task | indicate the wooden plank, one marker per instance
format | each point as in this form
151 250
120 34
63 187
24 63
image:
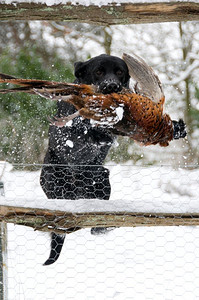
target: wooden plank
127 13
3 262
60 221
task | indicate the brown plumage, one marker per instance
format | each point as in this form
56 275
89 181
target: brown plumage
137 114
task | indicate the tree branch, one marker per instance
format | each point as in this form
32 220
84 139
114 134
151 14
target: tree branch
127 13
184 75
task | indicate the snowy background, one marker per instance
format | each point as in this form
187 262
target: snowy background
127 263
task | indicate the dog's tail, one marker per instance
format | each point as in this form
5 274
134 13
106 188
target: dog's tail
57 242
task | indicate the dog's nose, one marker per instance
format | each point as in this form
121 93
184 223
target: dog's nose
108 87
112 87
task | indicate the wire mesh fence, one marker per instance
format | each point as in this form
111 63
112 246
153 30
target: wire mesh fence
156 262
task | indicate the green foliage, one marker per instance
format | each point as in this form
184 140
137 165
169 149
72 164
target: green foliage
24 118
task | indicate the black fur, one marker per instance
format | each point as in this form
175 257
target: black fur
73 170
179 129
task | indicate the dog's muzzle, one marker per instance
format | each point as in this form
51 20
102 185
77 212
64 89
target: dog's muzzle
110 86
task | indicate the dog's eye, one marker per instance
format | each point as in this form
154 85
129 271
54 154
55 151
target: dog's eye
119 72
99 72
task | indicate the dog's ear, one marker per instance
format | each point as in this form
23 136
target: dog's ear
80 69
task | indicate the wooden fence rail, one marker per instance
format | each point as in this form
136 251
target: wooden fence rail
60 221
127 13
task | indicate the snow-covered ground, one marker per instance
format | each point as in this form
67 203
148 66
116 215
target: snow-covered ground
127 263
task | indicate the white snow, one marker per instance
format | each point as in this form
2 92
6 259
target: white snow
119 112
135 189
128 263
69 143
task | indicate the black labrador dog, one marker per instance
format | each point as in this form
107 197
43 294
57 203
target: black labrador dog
73 165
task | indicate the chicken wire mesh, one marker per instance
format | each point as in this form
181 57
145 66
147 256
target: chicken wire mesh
157 262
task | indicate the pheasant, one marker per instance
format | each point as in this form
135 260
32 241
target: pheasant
138 114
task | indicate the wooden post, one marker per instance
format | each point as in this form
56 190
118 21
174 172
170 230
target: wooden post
3 262
3 247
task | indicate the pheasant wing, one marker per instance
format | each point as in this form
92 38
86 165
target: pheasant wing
148 83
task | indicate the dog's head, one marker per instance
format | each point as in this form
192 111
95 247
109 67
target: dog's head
109 73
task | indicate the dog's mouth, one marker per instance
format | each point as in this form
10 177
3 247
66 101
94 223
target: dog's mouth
109 86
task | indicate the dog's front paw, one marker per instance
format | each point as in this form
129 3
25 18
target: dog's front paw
179 129
101 230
